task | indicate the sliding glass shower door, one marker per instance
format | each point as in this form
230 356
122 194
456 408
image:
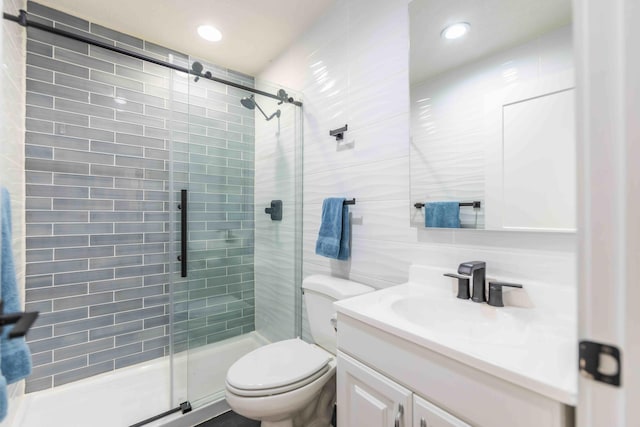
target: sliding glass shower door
219 305
117 133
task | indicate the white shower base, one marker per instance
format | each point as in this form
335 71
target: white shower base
129 395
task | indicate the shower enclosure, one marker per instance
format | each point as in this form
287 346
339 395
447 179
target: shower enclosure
241 266
148 247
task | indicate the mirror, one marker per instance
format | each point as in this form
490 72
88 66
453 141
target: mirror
492 115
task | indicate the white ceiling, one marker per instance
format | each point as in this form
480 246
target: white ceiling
254 32
495 25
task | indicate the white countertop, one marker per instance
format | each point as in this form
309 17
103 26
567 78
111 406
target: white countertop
533 347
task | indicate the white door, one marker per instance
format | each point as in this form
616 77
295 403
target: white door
607 40
369 399
426 414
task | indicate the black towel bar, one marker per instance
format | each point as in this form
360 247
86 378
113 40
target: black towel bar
476 204
349 202
22 320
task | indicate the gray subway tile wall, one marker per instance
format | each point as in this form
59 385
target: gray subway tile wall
98 211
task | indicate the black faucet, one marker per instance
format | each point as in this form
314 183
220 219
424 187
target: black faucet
477 271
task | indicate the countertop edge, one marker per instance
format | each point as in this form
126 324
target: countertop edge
548 390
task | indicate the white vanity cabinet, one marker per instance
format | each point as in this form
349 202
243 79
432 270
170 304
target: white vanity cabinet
368 399
379 372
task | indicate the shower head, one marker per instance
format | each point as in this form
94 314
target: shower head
250 103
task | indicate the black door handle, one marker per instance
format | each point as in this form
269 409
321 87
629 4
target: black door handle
183 233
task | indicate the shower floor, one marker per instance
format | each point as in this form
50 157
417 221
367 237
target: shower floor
127 396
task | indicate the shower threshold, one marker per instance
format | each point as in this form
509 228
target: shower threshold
184 407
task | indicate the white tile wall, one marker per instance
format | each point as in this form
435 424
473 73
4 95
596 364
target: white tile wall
352 67
12 94
13 101
275 168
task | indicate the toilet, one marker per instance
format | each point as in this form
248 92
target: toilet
291 383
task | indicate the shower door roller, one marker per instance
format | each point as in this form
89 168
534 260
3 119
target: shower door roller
275 210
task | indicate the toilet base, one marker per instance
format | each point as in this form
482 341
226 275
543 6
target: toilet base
317 413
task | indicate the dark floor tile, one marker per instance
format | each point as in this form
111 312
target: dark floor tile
230 419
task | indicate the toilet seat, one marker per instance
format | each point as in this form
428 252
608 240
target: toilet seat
277 368
277 390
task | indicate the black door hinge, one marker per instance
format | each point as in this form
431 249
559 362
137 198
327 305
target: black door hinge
600 362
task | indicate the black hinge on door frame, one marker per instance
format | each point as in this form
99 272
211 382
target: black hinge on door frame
589 362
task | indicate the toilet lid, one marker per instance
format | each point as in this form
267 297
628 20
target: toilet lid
276 365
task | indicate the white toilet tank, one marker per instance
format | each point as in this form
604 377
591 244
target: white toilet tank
320 292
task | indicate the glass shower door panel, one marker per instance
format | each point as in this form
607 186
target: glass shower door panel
277 177
217 320
217 301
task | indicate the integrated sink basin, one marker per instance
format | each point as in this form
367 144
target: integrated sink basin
455 319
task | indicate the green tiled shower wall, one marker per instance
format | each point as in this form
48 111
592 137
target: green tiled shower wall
104 132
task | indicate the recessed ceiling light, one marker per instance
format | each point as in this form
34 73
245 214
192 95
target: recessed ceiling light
455 31
210 33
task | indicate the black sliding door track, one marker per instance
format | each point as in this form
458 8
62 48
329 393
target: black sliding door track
184 407
23 20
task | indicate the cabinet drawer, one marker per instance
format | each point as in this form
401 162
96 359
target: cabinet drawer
426 414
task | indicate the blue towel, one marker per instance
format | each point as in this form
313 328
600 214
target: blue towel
15 357
333 237
442 214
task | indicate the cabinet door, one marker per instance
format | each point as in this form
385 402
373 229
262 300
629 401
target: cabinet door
368 399
427 414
